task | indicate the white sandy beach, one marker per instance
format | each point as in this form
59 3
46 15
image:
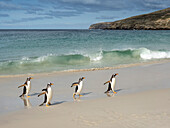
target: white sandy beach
142 100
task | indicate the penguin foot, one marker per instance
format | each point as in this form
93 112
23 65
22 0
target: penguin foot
80 95
28 96
114 92
47 105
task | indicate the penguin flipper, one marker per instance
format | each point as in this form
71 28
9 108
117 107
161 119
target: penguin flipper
45 100
109 88
44 89
76 89
24 90
74 84
41 93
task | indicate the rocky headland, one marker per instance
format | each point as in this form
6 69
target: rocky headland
159 20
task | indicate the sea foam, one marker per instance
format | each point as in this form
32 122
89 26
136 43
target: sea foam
149 54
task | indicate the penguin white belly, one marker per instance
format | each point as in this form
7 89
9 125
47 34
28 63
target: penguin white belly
80 86
113 84
49 95
28 87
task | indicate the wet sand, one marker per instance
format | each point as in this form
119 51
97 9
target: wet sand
142 99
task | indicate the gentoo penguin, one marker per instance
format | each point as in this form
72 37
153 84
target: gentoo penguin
112 82
48 94
79 86
27 87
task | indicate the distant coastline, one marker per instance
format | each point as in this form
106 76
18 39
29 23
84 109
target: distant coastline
159 20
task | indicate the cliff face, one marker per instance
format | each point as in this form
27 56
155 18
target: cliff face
159 20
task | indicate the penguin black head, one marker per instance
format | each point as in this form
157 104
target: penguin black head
29 78
80 79
49 84
115 74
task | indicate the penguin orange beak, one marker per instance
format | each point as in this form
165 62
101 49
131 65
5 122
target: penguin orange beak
31 78
117 74
52 84
83 77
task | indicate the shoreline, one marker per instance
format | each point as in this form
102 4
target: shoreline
134 79
90 69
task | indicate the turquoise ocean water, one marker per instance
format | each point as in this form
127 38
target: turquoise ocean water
38 51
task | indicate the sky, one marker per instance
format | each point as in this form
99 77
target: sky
71 14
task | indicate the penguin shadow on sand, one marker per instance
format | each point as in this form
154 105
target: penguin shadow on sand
112 94
26 102
34 94
87 93
57 103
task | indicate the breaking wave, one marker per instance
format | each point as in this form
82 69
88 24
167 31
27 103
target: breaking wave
102 58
